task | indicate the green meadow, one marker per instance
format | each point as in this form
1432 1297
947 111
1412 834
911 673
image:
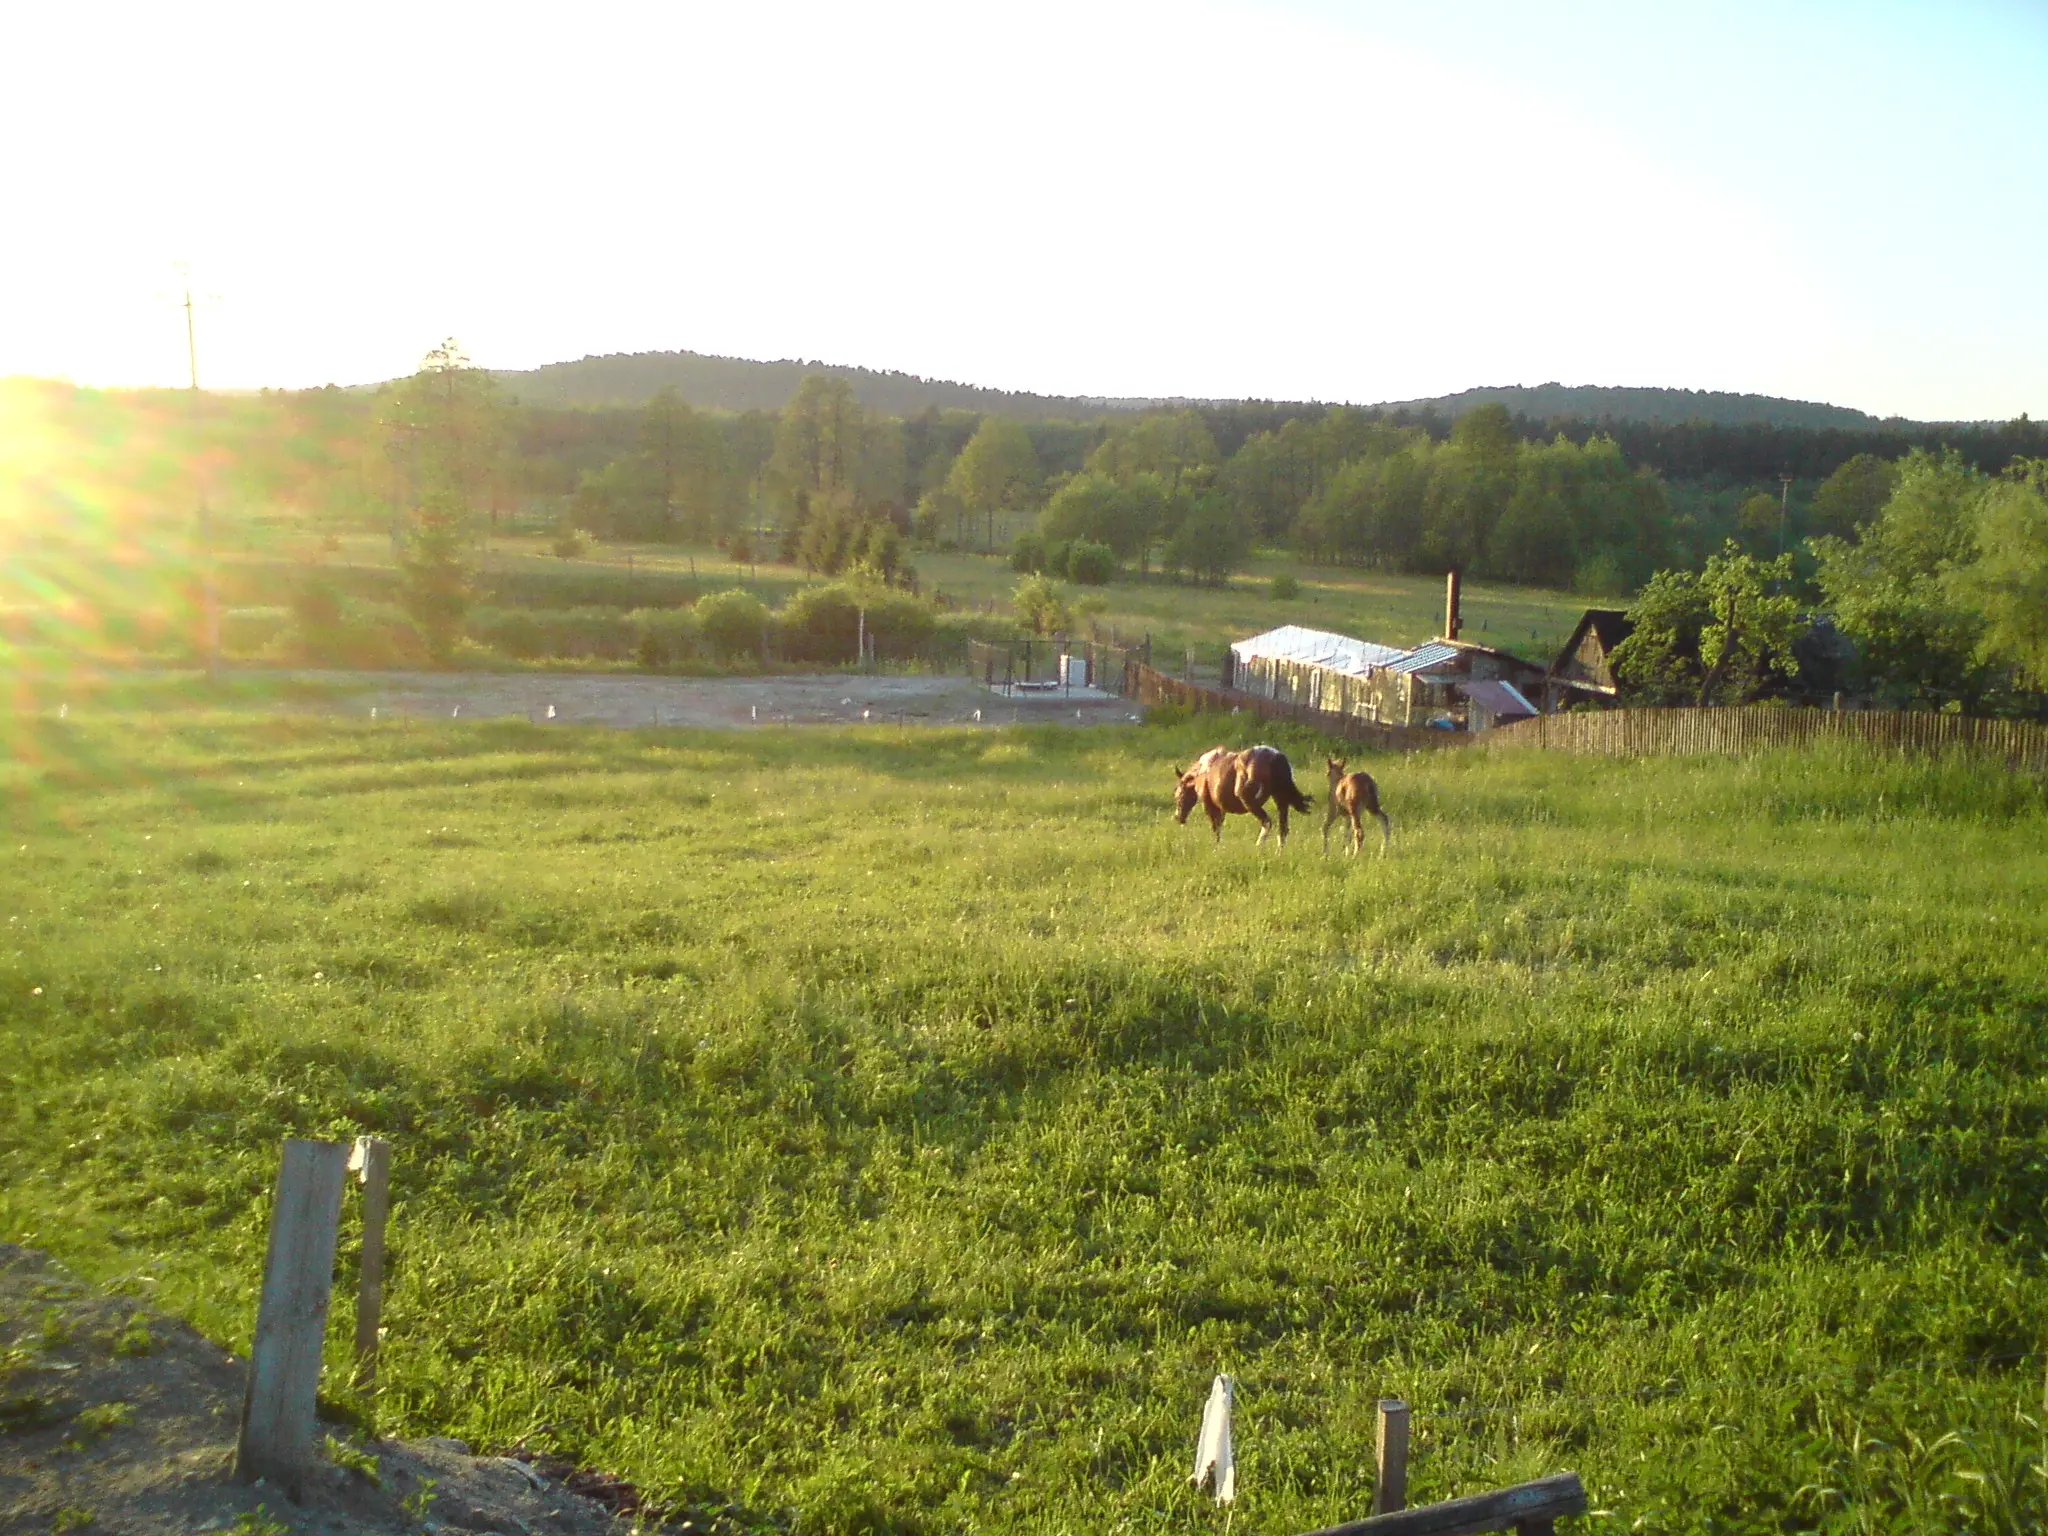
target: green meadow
892 1131
1389 607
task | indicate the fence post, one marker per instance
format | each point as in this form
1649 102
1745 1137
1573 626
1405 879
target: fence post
1390 1483
375 1171
276 1440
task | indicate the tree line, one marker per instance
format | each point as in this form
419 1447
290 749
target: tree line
827 483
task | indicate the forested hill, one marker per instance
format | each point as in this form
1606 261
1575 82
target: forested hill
631 379
740 384
1594 403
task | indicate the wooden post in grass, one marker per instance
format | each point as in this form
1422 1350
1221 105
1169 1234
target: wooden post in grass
276 1441
372 1162
1390 1480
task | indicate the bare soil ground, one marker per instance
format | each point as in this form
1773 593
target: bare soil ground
115 1419
630 701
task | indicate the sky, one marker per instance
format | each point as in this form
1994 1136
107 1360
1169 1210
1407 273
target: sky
1321 200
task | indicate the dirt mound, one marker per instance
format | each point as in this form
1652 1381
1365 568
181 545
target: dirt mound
116 1419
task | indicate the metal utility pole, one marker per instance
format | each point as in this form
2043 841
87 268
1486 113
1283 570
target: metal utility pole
1784 507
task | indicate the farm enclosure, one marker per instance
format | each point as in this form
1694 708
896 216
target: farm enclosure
1677 1121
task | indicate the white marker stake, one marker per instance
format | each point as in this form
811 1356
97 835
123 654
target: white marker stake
551 711
1214 1462
455 713
754 711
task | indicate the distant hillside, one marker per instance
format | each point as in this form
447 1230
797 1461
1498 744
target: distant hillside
739 384
1592 402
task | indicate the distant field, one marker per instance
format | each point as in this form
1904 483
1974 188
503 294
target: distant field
1393 609
891 1130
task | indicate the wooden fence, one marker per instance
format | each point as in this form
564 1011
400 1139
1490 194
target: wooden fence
1757 728
1149 686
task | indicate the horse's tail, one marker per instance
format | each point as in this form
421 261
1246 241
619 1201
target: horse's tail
1287 792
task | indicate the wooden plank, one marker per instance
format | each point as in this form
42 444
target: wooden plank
277 1432
376 1177
1548 1498
1390 1480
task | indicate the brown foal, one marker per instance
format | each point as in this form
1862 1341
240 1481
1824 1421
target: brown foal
1354 795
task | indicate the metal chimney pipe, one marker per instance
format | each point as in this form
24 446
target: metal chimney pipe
1451 606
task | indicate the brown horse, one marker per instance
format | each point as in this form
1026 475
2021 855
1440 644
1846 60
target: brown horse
1239 784
1353 795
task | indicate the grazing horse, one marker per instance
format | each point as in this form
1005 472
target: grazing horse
1239 783
1353 795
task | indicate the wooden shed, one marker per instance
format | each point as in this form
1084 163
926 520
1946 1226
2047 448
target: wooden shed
1584 670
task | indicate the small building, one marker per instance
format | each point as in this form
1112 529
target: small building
1489 703
1584 670
1446 671
1429 685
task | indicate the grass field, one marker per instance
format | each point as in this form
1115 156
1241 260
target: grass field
1394 609
891 1131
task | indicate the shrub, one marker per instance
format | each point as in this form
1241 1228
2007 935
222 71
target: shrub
733 623
1090 564
820 623
664 637
1027 555
1283 588
246 631
902 625
1039 605
568 544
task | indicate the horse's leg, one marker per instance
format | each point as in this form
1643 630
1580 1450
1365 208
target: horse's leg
1386 831
1357 836
1329 820
1265 821
1215 822
1283 823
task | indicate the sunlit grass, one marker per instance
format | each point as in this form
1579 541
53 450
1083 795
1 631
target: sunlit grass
896 1128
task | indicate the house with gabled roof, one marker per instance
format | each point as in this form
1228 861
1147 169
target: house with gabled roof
1583 672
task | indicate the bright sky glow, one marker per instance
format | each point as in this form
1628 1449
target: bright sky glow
1341 201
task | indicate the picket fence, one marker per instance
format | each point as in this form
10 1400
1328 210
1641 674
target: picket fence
1758 728
1637 732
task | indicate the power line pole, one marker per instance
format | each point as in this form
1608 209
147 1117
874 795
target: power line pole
1784 508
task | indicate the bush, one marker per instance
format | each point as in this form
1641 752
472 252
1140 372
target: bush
568 544
1283 588
1039 605
902 625
1089 564
664 637
246 631
820 623
367 635
823 623
1027 555
733 623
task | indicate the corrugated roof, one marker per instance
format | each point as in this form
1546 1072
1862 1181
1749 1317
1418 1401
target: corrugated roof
1318 648
1501 700
1423 657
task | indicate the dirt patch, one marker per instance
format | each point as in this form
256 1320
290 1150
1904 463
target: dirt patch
630 701
117 1419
